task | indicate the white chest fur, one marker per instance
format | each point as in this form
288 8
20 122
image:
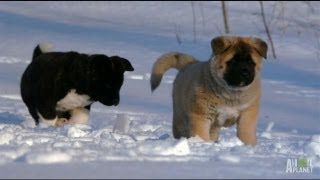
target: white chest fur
226 112
73 100
230 112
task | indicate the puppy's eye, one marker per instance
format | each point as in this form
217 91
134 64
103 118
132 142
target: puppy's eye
251 62
231 61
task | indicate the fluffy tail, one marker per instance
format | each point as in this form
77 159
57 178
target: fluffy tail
166 61
41 48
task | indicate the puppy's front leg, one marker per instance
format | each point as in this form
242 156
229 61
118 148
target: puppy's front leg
47 114
247 123
200 125
214 132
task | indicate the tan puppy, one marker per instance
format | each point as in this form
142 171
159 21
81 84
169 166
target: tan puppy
217 93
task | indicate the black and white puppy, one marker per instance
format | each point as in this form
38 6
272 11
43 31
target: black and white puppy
59 87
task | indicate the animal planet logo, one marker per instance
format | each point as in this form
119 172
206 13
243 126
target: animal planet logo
300 165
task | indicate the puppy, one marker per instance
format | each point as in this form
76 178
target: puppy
59 87
218 93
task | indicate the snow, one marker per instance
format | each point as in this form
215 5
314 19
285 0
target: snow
48 158
134 139
267 132
122 124
313 147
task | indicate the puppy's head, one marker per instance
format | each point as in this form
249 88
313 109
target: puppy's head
237 60
107 78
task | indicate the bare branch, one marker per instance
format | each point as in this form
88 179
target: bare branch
194 22
267 29
225 17
177 33
202 14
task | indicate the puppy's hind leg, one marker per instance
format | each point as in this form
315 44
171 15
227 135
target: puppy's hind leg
179 126
33 112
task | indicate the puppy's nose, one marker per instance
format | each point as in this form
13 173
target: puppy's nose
115 102
245 72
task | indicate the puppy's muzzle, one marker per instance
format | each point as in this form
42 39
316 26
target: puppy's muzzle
245 73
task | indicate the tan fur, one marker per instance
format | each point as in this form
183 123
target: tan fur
201 98
166 61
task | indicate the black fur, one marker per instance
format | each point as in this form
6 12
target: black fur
50 76
240 70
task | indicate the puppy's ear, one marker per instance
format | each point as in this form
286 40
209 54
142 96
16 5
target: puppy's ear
127 65
260 46
124 63
220 44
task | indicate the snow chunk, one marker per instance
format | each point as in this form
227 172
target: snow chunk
267 133
147 76
48 158
149 127
179 149
6 137
232 142
122 124
121 137
313 148
78 130
28 123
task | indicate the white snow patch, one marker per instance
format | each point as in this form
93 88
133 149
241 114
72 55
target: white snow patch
78 130
122 124
177 148
267 132
230 158
48 158
148 127
232 142
313 148
29 123
6 137
11 96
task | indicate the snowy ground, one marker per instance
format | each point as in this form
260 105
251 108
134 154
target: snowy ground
289 121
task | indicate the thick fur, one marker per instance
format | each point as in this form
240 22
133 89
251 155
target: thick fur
70 77
220 92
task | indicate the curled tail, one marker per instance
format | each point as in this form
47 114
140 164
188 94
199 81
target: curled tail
166 61
41 48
